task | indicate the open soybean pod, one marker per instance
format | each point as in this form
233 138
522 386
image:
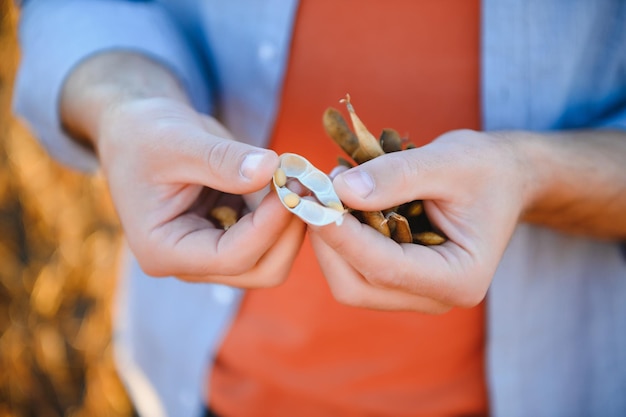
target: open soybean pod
369 148
326 208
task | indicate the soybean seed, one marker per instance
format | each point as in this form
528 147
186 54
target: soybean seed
226 216
291 200
336 205
280 178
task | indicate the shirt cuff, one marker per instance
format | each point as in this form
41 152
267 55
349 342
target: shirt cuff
55 36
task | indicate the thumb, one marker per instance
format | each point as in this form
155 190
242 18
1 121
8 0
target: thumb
220 163
395 178
165 142
255 165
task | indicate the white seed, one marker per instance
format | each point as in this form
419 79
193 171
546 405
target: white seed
336 205
280 178
291 200
226 216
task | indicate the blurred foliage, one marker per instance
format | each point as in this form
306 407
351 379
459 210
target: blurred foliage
59 246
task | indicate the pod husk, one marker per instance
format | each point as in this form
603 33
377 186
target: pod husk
405 223
428 238
390 140
400 229
369 148
337 128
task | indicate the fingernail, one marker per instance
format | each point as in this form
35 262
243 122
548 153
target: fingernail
337 170
360 182
250 164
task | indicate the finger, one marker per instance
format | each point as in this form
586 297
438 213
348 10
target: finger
272 268
447 273
191 148
190 245
349 287
429 172
337 170
223 164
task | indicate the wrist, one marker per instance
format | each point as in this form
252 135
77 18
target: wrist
533 168
109 80
574 181
522 153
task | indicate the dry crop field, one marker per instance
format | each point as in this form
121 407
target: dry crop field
59 244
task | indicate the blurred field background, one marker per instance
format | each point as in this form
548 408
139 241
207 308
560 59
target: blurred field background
59 244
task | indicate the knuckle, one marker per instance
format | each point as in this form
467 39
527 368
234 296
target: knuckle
468 297
144 253
385 278
221 155
405 169
400 275
223 264
152 266
270 280
347 295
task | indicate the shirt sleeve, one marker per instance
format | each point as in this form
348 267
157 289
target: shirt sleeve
57 35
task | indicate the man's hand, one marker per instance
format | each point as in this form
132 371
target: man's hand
476 187
162 160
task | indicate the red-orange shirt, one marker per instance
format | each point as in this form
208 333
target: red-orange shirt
293 350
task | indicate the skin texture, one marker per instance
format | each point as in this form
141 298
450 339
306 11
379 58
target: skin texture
477 187
157 154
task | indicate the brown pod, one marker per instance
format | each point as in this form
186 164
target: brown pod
389 210
377 220
337 128
390 140
344 162
400 229
395 222
428 238
414 208
225 216
369 148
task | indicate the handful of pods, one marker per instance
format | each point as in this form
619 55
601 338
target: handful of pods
406 223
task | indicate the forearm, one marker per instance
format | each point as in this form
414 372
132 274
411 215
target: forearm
107 79
577 181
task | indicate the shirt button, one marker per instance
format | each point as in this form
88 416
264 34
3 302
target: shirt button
266 51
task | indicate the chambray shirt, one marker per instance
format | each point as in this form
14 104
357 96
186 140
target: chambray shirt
557 305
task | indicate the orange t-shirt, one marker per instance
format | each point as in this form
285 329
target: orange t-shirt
293 350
